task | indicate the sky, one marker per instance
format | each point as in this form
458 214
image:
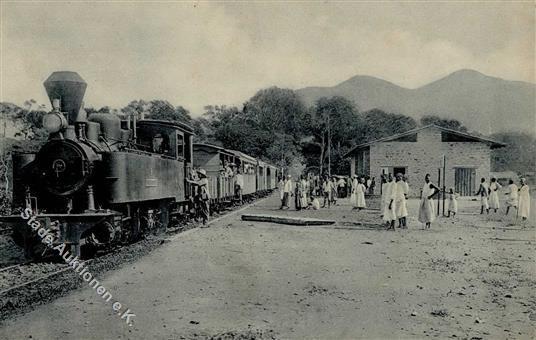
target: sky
199 53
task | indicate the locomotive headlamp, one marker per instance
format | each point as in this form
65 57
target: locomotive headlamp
54 122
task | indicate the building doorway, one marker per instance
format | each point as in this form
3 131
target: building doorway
399 170
465 181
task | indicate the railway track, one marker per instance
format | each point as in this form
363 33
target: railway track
21 275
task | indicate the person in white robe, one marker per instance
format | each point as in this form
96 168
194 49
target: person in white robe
353 194
494 188
360 195
327 186
304 192
513 197
281 187
389 208
406 194
401 211
524 200
483 191
383 187
334 194
453 203
426 207
287 193
315 203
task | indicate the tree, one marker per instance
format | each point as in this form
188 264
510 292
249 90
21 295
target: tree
269 126
378 124
452 124
282 151
519 155
277 110
136 108
156 109
163 110
29 120
332 123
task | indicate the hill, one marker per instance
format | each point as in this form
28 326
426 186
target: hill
482 103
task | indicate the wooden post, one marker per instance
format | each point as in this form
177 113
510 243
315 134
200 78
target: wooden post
444 186
438 183
329 145
352 167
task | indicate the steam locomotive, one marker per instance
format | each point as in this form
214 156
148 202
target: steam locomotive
100 181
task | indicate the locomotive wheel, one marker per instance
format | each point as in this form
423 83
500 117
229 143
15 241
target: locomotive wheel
18 238
164 215
34 249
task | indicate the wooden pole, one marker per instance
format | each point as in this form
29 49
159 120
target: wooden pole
439 183
329 145
444 186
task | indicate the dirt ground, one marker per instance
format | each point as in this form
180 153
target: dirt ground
468 277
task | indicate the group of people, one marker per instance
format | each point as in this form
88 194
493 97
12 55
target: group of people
394 196
307 190
394 200
517 197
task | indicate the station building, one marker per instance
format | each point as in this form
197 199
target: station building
465 158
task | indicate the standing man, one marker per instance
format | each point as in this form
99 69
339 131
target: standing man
383 188
353 193
524 200
406 195
426 208
334 195
203 195
400 201
287 192
239 184
483 191
372 185
281 187
512 196
494 188
297 194
305 192
360 195
326 188
389 209
341 184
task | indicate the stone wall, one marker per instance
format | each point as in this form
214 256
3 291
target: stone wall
425 156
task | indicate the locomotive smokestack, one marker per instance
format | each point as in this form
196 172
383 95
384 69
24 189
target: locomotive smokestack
69 88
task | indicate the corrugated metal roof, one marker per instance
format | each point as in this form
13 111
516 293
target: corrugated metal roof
493 144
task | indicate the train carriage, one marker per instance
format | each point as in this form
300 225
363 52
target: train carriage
271 176
262 168
218 163
248 167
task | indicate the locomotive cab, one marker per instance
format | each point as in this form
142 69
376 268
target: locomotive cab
169 139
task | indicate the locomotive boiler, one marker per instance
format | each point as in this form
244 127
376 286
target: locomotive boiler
99 180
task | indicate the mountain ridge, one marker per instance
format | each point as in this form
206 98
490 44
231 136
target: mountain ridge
499 105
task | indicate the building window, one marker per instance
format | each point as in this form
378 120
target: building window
399 170
393 170
180 146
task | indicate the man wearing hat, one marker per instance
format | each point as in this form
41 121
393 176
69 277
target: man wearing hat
203 195
287 192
